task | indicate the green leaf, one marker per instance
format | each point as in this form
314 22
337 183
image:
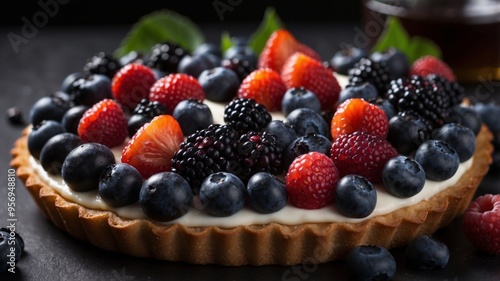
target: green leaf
226 42
270 23
394 35
160 26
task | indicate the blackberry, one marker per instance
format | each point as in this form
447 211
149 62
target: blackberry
453 89
102 63
166 57
376 73
150 109
420 95
257 152
242 67
205 152
246 115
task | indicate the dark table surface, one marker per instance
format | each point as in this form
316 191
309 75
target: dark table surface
39 67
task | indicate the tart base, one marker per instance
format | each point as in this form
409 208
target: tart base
252 244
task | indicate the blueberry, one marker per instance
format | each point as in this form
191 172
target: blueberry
68 80
305 121
386 106
426 252
195 64
220 84
370 262
50 107
120 184
165 196
439 160
299 98
355 196
305 144
467 116
71 118
135 122
8 241
490 114
395 59
55 151
209 48
460 138
346 58
90 89
192 115
242 51
284 133
266 193
407 132
403 177
40 134
222 194
15 116
83 166
365 91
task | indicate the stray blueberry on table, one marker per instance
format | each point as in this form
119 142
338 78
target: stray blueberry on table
5 248
426 252
370 262
15 116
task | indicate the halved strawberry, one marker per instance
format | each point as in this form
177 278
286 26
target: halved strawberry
264 85
301 70
151 149
174 88
131 84
280 45
104 123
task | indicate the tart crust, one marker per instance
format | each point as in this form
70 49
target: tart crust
252 244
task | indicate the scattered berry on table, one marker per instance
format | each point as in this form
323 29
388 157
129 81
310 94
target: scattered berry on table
299 98
467 116
355 196
72 116
15 116
460 138
266 193
363 154
50 107
403 177
432 65
102 63
307 121
357 114
370 262
120 184
439 160
284 133
301 70
194 65
104 123
395 59
55 151
407 131
240 66
131 84
305 144
265 86
165 57
40 134
377 73
174 88
165 196
246 114
83 166
426 252
365 91
192 115
152 147
6 244
311 180
481 223
205 152
222 194
90 89
219 83
346 58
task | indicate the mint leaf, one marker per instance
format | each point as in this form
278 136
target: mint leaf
270 23
226 42
157 27
394 35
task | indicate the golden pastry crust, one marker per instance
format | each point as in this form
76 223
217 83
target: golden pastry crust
252 244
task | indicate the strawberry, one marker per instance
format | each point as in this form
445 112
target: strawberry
432 65
174 88
356 114
104 123
131 84
264 85
363 154
301 70
482 223
311 180
151 149
280 45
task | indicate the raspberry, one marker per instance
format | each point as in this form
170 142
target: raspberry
363 154
482 223
432 65
131 84
311 180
